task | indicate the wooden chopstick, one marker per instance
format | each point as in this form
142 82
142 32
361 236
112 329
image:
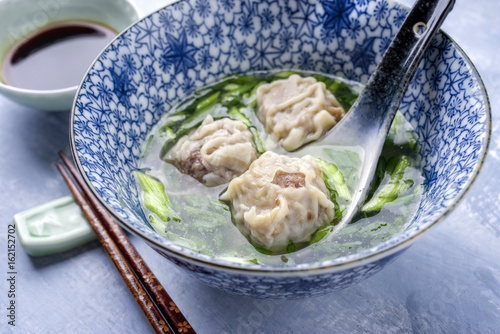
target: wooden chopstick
149 280
140 295
129 263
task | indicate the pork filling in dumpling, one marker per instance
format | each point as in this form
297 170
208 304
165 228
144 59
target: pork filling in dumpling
280 199
215 152
297 110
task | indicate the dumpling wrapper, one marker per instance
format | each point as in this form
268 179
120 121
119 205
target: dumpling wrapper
280 199
215 152
297 110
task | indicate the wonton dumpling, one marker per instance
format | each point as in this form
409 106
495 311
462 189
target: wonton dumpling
297 110
280 199
216 152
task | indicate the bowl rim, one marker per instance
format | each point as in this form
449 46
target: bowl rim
385 249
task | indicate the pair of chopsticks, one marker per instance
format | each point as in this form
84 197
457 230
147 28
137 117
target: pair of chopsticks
161 312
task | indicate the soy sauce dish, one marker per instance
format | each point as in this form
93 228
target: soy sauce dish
171 130
47 47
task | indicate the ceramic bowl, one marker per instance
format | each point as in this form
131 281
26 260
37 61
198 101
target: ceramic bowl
165 56
21 19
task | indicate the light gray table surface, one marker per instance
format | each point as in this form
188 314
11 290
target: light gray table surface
448 282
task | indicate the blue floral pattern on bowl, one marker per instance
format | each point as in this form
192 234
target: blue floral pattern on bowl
167 55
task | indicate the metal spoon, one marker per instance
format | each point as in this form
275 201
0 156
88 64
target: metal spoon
368 121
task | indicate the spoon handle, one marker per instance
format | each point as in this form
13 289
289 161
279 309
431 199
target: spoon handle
377 104
367 123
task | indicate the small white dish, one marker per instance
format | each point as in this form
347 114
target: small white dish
22 19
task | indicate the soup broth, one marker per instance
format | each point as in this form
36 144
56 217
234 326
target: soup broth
204 224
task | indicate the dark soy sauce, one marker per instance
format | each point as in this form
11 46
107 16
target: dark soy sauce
57 56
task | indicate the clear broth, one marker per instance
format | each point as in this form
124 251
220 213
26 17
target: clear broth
206 225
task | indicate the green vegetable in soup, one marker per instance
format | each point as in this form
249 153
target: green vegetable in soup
336 185
401 136
155 199
379 175
334 179
237 115
159 226
321 233
390 191
291 247
208 101
263 250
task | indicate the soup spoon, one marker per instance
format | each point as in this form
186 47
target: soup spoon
367 123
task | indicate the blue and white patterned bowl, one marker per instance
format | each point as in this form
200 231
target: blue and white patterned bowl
170 53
